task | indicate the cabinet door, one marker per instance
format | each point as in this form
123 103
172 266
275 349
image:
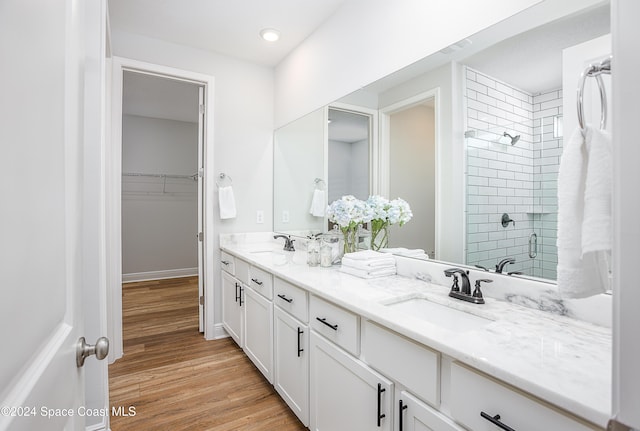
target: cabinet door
346 394
291 346
414 415
258 331
232 307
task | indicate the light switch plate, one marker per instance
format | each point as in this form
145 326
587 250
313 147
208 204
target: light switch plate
285 216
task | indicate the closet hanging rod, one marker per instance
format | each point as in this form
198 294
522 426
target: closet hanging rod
193 177
594 70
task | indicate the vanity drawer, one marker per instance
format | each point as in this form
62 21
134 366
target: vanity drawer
335 323
228 262
242 270
292 299
261 281
413 365
473 393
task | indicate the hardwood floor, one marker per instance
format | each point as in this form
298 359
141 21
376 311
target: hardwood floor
176 380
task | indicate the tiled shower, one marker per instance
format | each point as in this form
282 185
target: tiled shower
519 180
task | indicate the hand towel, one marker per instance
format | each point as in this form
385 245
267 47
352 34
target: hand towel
384 272
584 201
317 203
227 202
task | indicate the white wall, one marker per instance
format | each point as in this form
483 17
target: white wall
159 217
243 127
366 40
412 175
348 169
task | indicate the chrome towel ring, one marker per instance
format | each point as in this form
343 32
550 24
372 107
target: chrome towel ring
596 71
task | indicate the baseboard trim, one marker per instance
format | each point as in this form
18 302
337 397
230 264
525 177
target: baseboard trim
219 332
159 275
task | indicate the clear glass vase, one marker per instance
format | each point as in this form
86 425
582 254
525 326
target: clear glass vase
379 234
350 239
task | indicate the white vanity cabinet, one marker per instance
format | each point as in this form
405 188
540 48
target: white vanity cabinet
258 331
258 320
345 393
233 307
338 370
291 345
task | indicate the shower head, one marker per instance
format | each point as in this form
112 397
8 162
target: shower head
514 139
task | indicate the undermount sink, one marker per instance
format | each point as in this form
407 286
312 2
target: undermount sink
440 315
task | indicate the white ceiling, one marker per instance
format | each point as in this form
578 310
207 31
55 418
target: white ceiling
229 27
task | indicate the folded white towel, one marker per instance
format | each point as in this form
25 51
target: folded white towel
369 264
227 202
584 214
365 255
317 203
383 272
417 253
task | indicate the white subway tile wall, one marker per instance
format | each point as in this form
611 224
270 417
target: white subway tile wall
520 179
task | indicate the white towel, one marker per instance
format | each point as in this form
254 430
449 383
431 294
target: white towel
369 264
365 255
383 272
227 202
317 203
416 253
584 214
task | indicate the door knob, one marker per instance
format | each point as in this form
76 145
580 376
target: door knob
84 350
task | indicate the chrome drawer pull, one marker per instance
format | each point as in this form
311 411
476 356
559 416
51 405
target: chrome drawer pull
496 421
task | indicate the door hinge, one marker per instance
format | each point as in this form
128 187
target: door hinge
201 300
200 236
201 109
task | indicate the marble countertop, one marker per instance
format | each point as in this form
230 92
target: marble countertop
565 361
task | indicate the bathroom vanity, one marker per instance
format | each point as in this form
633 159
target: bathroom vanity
397 353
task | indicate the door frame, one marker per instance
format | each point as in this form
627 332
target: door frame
385 150
114 193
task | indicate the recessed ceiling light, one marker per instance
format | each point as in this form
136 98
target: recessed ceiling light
270 34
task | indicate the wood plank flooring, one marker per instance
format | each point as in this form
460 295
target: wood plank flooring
176 380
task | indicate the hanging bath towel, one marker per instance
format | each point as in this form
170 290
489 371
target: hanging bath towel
227 202
584 214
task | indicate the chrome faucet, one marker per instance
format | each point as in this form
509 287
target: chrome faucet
288 242
504 262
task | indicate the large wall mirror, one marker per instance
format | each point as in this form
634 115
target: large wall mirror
475 132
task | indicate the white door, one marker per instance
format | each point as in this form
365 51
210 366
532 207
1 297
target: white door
41 129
